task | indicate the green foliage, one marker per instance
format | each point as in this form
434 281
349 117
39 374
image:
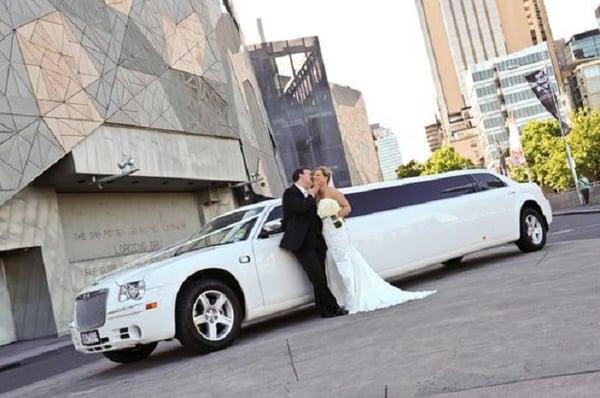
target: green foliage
411 169
585 144
545 150
446 159
518 173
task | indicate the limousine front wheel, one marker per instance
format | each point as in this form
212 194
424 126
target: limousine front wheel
533 231
208 316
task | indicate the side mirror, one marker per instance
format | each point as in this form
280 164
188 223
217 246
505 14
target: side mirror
270 228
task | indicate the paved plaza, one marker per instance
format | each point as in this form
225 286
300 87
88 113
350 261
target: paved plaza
501 324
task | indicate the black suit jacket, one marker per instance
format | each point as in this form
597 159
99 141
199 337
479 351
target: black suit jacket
303 228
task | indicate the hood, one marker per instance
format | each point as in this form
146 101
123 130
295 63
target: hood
133 272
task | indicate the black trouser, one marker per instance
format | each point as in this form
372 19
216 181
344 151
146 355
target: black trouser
313 262
586 196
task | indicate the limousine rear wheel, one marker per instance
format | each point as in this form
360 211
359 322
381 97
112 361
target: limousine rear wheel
533 231
131 354
209 315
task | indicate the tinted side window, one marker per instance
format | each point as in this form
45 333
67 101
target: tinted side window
450 187
485 182
275 214
383 199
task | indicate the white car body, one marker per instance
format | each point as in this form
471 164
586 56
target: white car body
395 242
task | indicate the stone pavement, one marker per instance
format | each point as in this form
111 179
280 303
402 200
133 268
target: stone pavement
19 353
503 324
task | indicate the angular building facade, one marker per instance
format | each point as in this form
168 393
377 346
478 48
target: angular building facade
298 99
125 125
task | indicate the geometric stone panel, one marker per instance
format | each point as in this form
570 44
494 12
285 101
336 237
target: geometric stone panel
60 70
123 6
149 108
184 44
199 108
139 54
27 148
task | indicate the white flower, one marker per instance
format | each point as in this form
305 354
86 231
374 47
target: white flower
328 208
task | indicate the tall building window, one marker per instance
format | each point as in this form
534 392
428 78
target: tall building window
486 91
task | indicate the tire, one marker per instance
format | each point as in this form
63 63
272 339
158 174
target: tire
218 313
453 261
130 355
533 231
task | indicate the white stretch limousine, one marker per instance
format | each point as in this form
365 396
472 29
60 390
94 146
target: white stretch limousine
233 272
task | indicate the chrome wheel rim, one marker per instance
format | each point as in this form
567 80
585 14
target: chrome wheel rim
213 315
535 229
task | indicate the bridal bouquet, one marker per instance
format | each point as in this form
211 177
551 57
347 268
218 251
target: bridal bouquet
330 208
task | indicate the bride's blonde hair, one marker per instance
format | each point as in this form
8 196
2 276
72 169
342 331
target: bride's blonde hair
326 171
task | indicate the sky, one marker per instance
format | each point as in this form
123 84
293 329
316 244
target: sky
377 47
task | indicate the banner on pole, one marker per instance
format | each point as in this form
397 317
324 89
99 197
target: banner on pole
540 84
517 156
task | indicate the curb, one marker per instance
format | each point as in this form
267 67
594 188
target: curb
24 358
575 212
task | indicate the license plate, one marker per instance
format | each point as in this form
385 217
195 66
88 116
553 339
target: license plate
90 338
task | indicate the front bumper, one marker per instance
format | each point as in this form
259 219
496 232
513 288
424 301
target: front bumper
130 324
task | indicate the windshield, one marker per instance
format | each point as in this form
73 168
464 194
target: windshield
233 227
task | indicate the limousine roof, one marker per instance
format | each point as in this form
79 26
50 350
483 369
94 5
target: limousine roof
387 184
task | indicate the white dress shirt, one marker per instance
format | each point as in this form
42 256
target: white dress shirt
302 189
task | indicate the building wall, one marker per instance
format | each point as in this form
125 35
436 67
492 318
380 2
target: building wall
90 83
444 73
31 219
516 27
434 135
161 154
359 146
587 77
153 64
468 146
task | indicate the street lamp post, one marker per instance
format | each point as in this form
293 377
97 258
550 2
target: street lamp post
570 160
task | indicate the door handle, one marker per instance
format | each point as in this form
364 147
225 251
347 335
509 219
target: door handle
244 259
512 192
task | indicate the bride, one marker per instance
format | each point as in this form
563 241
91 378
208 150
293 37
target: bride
352 281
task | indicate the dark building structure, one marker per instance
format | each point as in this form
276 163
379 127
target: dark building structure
298 99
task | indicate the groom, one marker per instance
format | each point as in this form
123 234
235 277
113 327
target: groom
304 239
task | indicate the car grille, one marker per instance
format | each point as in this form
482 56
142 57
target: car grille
90 309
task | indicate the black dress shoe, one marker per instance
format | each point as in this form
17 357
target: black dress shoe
342 311
338 312
329 315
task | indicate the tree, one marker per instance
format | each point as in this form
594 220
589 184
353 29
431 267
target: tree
585 143
446 159
411 169
543 148
518 173
546 155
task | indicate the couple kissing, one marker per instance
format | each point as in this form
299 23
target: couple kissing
314 213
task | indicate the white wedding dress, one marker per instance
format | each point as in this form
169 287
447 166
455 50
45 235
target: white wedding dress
355 285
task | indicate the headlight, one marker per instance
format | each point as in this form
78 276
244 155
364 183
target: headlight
132 291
